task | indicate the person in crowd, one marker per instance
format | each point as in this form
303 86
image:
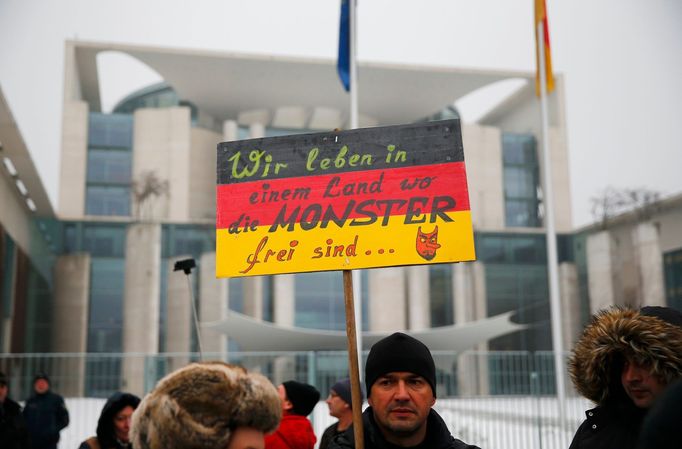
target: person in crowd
400 377
622 362
113 426
340 406
45 414
210 405
13 431
660 429
297 400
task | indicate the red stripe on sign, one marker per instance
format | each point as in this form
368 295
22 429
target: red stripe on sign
361 195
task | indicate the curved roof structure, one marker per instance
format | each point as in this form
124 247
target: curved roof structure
257 335
232 83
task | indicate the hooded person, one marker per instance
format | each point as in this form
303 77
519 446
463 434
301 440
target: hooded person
113 425
297 400
622 362
211 405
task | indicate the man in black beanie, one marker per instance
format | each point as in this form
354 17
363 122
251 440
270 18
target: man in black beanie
294 431
400 377
340 405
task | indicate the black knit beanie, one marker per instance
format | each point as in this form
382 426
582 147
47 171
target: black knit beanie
666 314
399 352
343 389
302 396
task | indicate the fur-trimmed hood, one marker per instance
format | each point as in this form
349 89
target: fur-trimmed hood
199 405
616 333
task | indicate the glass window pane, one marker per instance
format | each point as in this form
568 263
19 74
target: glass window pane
109 166
440 290
107 200
319 300
519 183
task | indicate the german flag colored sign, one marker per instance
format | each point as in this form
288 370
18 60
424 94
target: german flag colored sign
363 198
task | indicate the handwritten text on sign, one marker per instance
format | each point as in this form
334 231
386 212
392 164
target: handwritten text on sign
352 199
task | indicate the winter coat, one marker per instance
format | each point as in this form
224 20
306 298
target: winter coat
294 432
13 432
437 435
106 433
328 435
596 366
46 416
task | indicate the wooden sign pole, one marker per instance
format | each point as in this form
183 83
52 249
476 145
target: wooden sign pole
356 398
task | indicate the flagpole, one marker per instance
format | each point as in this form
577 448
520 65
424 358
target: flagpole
552 259
356 274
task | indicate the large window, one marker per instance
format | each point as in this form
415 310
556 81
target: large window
673 278
320 302
108 177
440 289
521 180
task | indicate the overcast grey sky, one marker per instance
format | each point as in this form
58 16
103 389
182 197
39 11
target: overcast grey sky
621 60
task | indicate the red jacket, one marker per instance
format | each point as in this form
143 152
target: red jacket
294 432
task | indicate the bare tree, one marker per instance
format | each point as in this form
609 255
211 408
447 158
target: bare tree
612 202
145 187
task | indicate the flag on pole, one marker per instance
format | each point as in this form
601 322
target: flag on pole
541 18
343 63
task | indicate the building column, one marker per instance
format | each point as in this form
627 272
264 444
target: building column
140 302
253 296
649 262
178 316
418 294
571 319
230 130
284 299
213 296
387 299
70 322
470 305
600 271
284 314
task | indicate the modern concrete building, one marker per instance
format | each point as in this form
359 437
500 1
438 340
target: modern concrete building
137 193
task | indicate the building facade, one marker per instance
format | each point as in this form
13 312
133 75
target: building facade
137 193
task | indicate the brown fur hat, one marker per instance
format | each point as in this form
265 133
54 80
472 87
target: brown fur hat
199 405
616 333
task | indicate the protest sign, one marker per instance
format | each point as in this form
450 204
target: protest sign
345 200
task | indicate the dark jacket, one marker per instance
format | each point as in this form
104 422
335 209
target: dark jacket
294 432
328 435
106 433
437 435
596 365
13 431
46 416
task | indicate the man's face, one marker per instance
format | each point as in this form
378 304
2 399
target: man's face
3 393
401 402
640 384
122 423
41 386
337 406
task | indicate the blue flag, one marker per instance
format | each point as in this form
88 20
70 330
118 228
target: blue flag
343 64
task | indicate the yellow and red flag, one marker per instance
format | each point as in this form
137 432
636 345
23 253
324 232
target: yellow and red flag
541 18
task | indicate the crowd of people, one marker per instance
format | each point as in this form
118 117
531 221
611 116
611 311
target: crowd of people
627 362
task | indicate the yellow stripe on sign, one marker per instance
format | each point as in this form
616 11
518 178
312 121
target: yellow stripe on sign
258 252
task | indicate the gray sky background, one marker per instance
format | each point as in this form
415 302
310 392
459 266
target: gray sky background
622 61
